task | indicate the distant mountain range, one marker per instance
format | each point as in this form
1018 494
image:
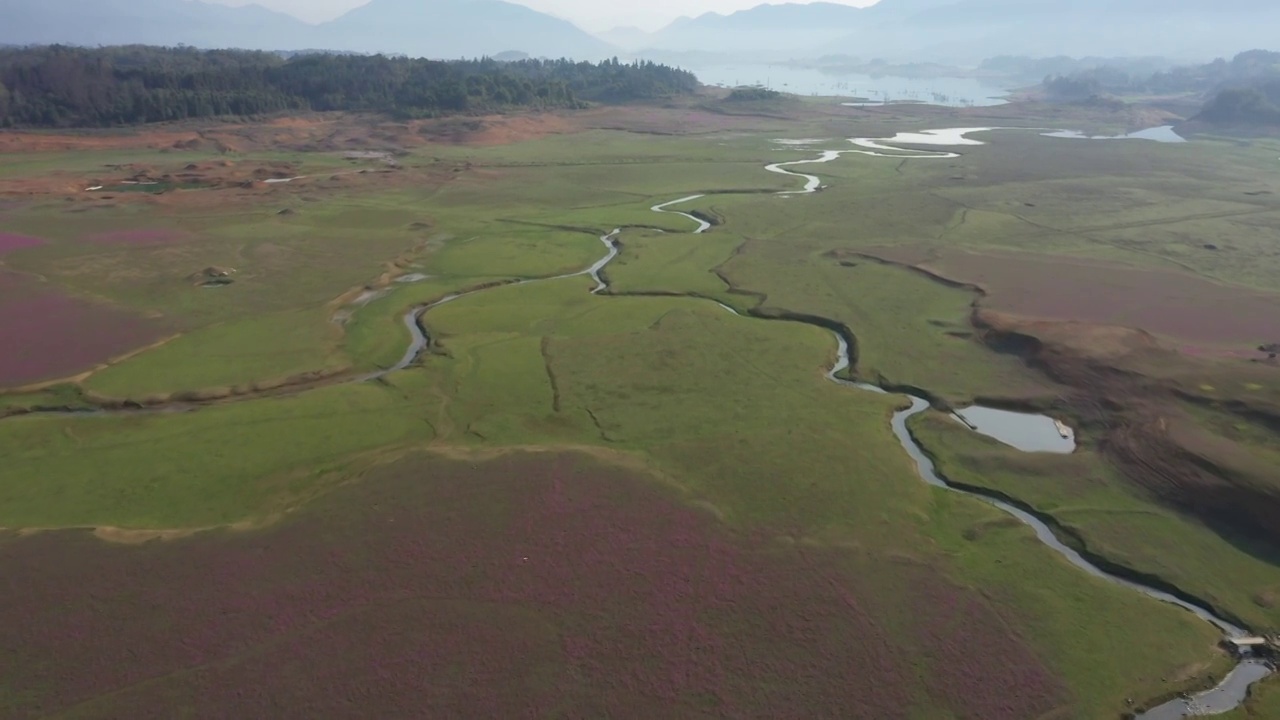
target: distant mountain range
955 31
151 22
971 30
762 28
426 28
458 28
964 30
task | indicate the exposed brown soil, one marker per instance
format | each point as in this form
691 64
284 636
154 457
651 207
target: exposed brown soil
533 585
1116 336
1126 393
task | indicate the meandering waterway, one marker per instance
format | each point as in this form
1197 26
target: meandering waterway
1230 693
1234 688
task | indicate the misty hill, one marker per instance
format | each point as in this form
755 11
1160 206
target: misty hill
1250 69
425 28
626 37
1244 106
158 22
968 30
762 28
458 28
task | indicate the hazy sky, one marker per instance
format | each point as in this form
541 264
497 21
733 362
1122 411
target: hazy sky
590 14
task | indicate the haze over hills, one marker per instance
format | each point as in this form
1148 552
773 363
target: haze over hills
952 31
762 28
964 30
155 22
458 28
970 30
428 28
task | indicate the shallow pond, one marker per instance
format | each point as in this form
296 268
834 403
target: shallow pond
1026 432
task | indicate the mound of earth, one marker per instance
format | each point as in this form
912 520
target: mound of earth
212 275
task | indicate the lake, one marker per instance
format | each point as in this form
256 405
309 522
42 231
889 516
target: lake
807 81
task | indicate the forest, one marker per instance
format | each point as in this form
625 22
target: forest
1245 106
60 86
1248 69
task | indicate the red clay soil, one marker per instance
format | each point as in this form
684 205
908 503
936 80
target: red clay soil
47 334
1175 305
526 587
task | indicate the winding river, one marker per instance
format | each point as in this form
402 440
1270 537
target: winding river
1234 688
419 340
1230 693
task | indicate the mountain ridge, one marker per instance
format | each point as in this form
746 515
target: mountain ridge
425 28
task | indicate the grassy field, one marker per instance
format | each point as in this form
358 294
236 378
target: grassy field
1084 495
729 436
218 466
224 355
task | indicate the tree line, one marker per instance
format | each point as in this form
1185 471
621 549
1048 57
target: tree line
1258 105
1248 69
1243 90
60 86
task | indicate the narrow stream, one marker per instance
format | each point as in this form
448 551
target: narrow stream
1234 688
703 225
419 340
1230 693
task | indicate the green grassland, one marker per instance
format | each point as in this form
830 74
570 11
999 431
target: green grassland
673 263
1086 497
733 410
217 466
273 346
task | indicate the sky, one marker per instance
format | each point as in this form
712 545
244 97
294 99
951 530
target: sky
592 15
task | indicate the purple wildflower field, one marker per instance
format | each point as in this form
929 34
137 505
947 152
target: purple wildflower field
10 242
48 334
530 586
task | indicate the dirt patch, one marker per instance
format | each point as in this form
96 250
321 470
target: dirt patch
524 587
1181 307
49 334
154 138
496 129
138 537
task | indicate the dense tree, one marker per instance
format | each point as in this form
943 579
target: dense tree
58 86
1244 70
752 93
1244 106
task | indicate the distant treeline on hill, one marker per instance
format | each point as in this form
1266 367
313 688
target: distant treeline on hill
58 86
1258 105
1245 89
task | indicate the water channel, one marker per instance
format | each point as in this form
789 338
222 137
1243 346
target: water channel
1230 693
1234 688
